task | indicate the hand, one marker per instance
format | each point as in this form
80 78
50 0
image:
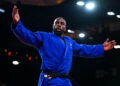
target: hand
15 14
108 45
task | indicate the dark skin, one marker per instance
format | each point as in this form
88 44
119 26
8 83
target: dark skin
59 27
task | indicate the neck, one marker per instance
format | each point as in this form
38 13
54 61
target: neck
60 35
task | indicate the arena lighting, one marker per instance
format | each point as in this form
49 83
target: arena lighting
70 31
2 10
29 58
36 57
90 5
80 3
59 1
16 53
9 53
26 55
15 62
118 16
5 50
81 35
117 46
110 13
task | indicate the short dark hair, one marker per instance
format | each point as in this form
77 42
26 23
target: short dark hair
60 18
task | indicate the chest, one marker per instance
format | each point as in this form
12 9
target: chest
57 42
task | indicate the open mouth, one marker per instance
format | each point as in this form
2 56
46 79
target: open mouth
58 29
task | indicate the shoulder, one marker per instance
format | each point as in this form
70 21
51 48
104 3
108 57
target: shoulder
41 33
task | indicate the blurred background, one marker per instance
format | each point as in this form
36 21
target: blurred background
88 22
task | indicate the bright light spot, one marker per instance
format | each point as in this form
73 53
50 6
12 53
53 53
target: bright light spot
82 35
59 1
117 46
118 16
80 3
2 11
15 63
70 31
110 13
5 50
9 53
26 55
29 58
90 5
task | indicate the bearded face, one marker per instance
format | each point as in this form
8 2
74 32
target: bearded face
59 26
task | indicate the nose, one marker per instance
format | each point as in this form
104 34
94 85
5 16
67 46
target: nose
59 25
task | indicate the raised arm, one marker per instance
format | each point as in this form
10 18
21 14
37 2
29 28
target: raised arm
88 50
23 34
93 50
15 15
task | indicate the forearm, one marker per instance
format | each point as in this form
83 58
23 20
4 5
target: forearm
89 50
26 36
14 25
23 34
96 51
19 31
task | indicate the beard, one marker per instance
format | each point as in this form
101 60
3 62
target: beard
58 31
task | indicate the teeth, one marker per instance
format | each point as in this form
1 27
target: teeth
58 29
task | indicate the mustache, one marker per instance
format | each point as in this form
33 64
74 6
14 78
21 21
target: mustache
60 28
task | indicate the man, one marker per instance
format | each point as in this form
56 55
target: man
56 50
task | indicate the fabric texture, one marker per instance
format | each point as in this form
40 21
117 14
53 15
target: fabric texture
55 54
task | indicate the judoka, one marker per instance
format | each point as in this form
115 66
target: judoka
56 50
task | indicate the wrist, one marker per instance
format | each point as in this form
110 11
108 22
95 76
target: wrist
15 22
104 48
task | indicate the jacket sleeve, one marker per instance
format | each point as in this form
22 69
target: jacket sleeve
26 36
88 50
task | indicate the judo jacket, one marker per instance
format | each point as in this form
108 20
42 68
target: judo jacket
55 53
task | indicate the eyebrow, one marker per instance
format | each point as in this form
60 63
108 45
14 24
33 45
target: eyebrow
62 21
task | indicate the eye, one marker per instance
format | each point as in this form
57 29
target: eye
56 22
62 23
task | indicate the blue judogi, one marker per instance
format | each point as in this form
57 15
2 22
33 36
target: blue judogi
55 54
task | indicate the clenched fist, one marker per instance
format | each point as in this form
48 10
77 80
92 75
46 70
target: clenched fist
15 14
